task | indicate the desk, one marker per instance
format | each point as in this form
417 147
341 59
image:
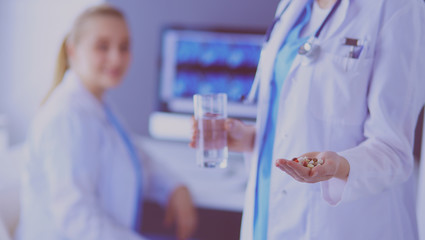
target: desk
221 189
217 193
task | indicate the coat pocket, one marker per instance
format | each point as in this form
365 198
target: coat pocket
339 88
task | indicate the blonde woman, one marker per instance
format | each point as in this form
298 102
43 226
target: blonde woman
85 179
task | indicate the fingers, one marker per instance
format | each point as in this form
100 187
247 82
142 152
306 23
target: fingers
284 167
169 217
317 171
195 133
182 213
186 225
185 221
303 174
195 137
322 170
229 124
240 137
330 168
301 171
234 128
320 173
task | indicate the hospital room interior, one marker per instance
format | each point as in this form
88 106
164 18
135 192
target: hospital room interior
178 49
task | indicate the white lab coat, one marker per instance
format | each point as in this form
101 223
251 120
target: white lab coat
79 182
421 189
365 109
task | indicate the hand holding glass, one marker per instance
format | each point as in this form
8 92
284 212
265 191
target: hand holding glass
211 115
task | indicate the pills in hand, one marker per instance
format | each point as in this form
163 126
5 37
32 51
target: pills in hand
308 162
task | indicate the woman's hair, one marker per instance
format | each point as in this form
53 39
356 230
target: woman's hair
62 62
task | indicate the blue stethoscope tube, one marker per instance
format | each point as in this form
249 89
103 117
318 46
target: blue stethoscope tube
308 49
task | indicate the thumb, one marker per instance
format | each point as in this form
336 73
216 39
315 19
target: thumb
234 128
318 171
169 217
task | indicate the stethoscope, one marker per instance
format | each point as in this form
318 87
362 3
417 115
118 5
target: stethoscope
310 49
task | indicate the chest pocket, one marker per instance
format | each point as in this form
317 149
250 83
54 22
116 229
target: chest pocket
339 84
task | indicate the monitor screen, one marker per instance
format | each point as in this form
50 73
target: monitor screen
205 61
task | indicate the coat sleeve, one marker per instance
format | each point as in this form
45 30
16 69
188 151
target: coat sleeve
70 147
395 97
158 180
421 189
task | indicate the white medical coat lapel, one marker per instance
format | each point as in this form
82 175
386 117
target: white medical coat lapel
421 189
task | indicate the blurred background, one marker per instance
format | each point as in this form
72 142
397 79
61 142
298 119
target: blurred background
31 33
173 42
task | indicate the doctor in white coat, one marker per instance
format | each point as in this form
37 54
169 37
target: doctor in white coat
340 80
85 180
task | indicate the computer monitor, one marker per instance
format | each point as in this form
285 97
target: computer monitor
208 61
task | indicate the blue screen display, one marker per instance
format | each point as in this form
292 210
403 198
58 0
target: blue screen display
214 66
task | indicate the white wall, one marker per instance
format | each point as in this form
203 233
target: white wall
31 32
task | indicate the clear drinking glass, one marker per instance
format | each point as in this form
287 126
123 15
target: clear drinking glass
211 114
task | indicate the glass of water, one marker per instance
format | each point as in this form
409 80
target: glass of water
210 114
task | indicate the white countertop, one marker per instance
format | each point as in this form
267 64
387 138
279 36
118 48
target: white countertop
221 189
